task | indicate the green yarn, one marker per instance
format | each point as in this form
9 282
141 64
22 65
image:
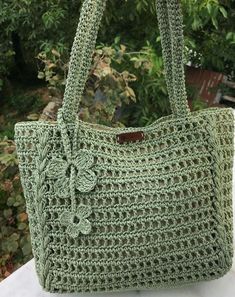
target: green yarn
170 25
58 169
77 222
154 213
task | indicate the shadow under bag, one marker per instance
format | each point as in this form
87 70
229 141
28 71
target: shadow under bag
128 208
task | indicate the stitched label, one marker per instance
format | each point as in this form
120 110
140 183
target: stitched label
130 137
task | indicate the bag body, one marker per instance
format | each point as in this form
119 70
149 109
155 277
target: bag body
109 215
161 208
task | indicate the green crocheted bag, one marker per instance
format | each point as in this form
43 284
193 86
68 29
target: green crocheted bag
112 208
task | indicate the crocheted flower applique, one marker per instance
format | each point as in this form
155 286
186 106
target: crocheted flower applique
59 169
77 222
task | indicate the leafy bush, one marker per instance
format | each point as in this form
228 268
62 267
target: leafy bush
23 103
107 88
111 90
20 106
30 26
56 23
150 86
15 247
209 30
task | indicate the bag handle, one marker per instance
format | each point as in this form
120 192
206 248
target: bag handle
171 31
170 24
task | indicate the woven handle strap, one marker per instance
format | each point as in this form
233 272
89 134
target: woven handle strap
170 24
171 30
81 56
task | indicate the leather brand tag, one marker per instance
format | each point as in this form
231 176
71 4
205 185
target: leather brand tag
130 136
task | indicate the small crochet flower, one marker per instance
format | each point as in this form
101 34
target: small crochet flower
59 169
77 222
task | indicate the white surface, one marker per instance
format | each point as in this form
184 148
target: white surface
24 283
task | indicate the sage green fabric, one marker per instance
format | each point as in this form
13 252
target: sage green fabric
154 213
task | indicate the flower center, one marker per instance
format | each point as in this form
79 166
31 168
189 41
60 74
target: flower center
76 219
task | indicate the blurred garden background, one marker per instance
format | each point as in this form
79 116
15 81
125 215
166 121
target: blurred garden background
126 86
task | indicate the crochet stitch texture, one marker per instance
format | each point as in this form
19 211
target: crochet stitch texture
77 222
85 178
106 216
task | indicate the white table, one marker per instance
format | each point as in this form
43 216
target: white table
24 283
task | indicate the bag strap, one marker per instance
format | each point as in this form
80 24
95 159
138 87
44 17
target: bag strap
171 30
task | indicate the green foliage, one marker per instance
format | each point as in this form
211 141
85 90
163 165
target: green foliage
107 88
46 30
30 25
23 103
54 69
198 104
18 107
42 25
210 26
227 90
204 12
6 55
150 86
111 90
7 128
15 247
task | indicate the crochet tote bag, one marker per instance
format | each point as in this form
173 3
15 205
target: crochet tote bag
112 208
